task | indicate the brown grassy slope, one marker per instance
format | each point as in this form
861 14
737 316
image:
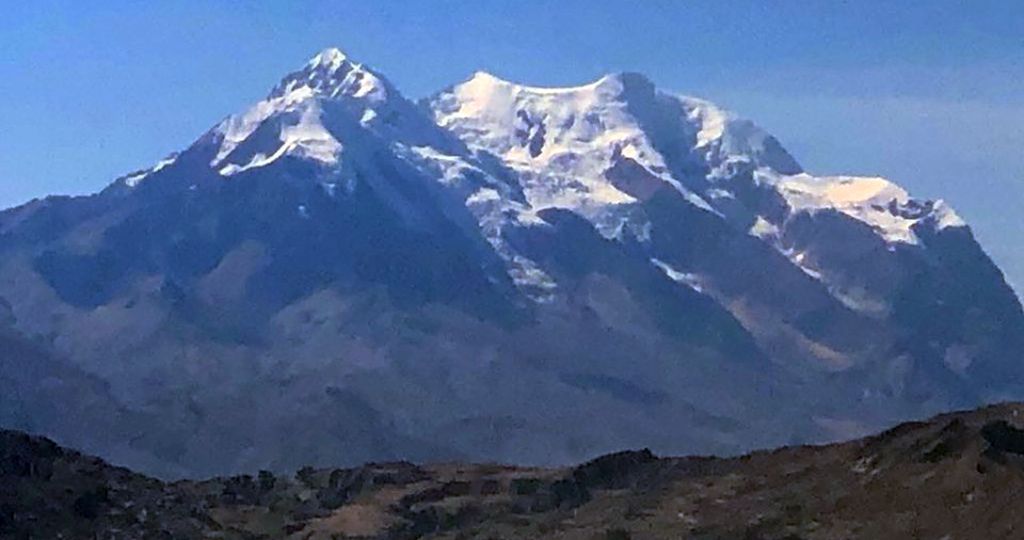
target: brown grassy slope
959 476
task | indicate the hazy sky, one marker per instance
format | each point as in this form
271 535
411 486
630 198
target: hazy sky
930 93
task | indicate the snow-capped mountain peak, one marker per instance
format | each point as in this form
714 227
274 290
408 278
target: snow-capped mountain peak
329 58
513 249
562 141
297 107
332 74
589 148
884 206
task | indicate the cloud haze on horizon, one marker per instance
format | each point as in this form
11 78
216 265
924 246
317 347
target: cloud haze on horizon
928 94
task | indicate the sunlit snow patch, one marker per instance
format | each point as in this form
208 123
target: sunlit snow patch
883 205
135 179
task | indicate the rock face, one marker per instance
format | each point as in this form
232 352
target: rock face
340 275
956 476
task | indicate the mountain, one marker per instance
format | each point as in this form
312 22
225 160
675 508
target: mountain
954 476
339 275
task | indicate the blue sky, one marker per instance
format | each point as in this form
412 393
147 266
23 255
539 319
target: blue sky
928 93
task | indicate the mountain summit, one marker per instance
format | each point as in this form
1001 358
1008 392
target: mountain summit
338 274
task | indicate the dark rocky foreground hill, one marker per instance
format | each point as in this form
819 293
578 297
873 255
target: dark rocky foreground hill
959 475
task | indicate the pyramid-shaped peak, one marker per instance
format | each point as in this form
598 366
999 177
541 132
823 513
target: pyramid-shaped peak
332 73
330 58
327 63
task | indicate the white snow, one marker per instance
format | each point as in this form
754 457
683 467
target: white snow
690 280
135 179
723 137
710 119
762 228
945 216
483 195
237 128
330 58
306 139
560 146
797 258
560 141
450 169
527 275
876 201
310 139
328 76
